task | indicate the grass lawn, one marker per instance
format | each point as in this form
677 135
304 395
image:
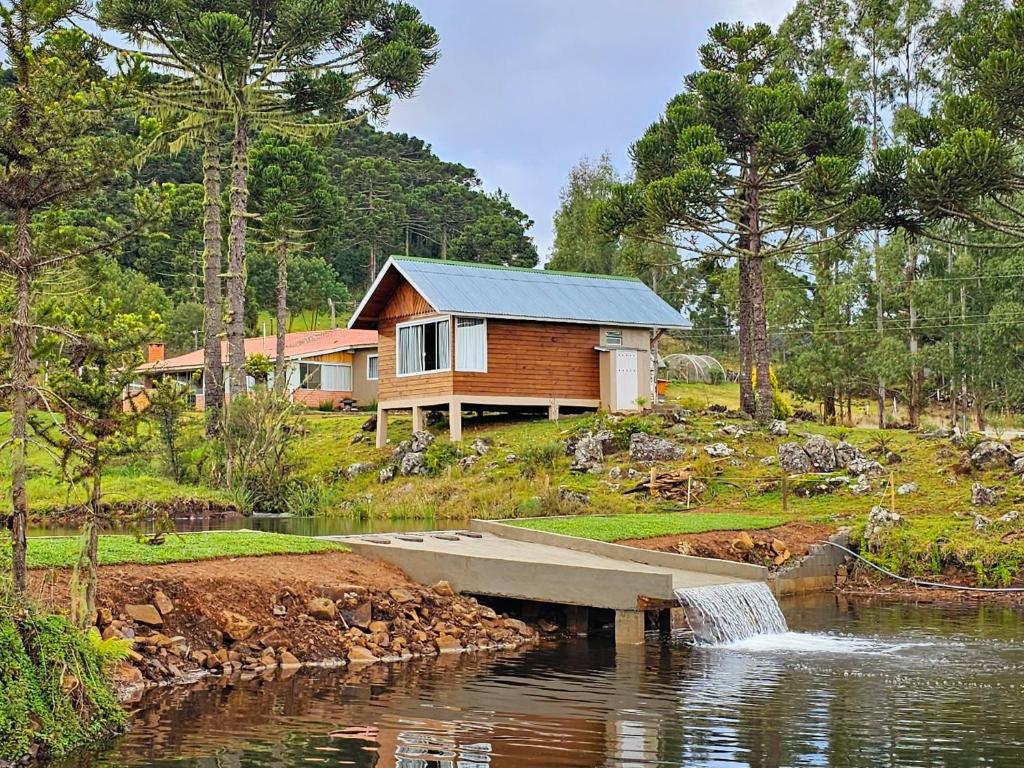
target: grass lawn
62 552
646 526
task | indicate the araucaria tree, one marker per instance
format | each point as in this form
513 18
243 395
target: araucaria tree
57 142
747 164
295 67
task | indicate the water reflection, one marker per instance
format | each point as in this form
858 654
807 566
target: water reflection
934 687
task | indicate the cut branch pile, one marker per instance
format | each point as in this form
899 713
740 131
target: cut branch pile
676 485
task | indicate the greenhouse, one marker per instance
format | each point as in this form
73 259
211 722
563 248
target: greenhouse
693 369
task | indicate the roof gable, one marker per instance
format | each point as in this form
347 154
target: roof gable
523 294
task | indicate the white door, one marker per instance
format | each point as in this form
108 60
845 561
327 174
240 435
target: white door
627 388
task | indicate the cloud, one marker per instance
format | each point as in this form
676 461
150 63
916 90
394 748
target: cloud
524 89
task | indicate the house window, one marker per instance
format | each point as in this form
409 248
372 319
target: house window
309 375
613 338
423 347
471 344
372 367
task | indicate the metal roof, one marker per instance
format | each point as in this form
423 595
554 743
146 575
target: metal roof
486 290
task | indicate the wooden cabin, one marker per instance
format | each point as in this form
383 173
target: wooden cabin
472 337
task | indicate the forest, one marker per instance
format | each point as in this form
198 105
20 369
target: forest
838 198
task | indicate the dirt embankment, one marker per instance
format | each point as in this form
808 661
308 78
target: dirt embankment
762 547
123 512
248 615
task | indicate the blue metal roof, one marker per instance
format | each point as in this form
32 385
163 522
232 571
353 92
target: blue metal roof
535 294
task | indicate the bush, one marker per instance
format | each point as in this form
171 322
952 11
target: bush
542 455
440 455
167 405
259 431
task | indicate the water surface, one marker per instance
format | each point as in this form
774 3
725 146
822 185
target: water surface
853 685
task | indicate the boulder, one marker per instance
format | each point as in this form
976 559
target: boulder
1018 466
615 474
480 446
322 608
778 428
104 617
846 453
370 425
982 496
235 626
144 614
865 468
718 450
991 454
358 468
421 440
880 520
821 453
468 461
981 523
793 459
1010 517
413 463
386 475
648 449
590 451
907 488
744 542
891 457
861 487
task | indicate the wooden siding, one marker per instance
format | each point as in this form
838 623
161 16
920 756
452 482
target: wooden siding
330 357
536 359
405 303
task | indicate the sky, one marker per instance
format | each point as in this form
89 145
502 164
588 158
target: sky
526 88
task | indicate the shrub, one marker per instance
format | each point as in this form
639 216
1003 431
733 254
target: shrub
258 433
439 455
542 455
325 406
167 405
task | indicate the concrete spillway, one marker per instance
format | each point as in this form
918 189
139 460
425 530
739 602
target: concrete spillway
500 560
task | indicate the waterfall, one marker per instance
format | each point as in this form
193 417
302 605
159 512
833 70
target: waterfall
725 613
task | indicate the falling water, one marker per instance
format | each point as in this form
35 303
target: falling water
726 613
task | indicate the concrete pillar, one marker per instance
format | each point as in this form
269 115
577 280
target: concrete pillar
417 418
382 427
629 627
455 420
553 412
577 620
665 622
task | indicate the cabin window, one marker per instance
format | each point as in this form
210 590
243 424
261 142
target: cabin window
471 344
372 367
309 375
423 347
613 338
330 377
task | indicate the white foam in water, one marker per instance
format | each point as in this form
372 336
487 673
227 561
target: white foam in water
728 613
802 642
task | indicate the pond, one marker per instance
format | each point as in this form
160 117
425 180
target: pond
868 685
324 525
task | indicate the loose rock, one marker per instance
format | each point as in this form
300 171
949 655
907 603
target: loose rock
989 454
880 520
358 468
163 603
718 450
235 626
821 453
322 608
413 463
907 488
846 453
144 614
648 449
793 459
778 428
982 496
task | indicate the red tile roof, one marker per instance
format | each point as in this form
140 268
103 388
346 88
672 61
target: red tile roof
300 344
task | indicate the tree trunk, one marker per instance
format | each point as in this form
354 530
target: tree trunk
747 399
371 266
828 414
759 341
21 374
213 363
236 256
916 372
758 316
979 413
92 547
280 373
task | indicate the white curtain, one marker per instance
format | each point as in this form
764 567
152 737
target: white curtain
336 378
443 357
410 349
470 344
